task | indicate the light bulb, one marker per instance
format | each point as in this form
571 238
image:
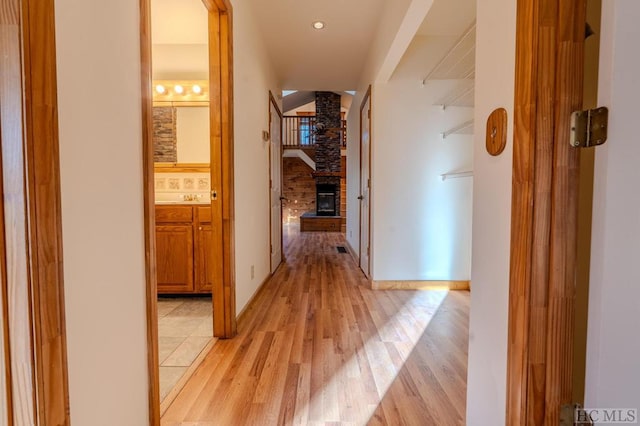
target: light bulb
160 89
318 25
196 89
178 89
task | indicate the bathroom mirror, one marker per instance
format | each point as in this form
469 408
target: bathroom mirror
181 136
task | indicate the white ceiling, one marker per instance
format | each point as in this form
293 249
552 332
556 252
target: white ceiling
448 18
179 33
304 58
178 22
308 59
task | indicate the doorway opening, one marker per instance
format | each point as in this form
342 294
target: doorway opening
365 184
188 162
275 184
314 163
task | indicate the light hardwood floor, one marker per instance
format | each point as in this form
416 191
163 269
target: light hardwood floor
318 347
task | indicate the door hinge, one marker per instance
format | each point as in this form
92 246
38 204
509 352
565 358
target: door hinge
589 128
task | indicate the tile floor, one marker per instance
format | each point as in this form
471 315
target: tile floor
185 326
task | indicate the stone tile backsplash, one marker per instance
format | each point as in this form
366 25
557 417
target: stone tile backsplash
175 186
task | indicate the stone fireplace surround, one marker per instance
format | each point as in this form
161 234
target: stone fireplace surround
328 144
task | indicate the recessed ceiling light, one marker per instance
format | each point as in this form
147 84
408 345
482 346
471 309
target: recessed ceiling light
178 89
160 89
318 25
196 89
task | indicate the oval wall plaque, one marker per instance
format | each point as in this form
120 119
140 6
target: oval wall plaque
497 131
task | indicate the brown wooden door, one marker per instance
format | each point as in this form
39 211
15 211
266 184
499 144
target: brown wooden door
204 252
549 79
174 257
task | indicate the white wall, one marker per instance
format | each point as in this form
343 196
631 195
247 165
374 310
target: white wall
613 347
253 77
310 107
192 134
422 226
495 65
390 21
102 215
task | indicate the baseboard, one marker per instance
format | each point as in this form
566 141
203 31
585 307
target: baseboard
352 252
421 285
247 307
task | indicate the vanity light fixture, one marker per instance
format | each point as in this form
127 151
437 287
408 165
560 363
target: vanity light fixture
180 91
318 25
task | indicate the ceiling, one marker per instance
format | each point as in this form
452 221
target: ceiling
178 22
309 59
179 33
304 59
448 18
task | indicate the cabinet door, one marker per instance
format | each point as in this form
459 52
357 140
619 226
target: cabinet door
204 263
174 258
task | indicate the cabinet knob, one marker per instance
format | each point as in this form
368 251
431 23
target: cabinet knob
200 228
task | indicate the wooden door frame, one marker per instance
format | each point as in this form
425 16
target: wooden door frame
222 181
367 97
272 101
549 62
47 391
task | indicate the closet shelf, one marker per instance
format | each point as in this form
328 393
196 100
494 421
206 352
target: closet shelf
456 175
460 98
465 128
459 62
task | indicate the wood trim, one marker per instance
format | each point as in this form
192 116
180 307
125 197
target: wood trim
181 167
222 6
44 209
221 169
367 96
549 61
421 285
219 305
272 101
9 78
149 213
228 191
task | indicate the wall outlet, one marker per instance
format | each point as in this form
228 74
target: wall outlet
253 272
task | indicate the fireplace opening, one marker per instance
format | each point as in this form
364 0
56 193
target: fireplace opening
326 200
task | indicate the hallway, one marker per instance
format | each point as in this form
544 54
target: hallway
317 346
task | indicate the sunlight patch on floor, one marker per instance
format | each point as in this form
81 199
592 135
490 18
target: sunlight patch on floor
346 380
